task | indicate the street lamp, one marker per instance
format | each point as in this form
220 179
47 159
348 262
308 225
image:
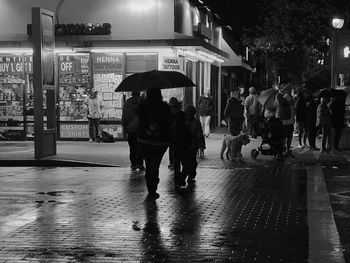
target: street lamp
337 24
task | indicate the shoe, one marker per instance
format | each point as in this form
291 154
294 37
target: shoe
153 195
315 148
300 146
133 168
191 180
90 140
171 166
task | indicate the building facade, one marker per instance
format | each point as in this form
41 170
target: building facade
98 43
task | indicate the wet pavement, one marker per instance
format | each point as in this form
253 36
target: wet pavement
257 211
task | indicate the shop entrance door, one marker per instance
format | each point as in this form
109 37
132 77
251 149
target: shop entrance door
43 37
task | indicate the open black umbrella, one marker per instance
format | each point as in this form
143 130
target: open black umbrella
154 79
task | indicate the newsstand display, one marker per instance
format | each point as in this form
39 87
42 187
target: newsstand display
14 70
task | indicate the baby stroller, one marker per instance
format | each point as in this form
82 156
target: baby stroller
272 138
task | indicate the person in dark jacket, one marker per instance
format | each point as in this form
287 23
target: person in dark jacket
300 117
310 121
205 110
181 138
175 106
130 122
234 114
197 143
337 110
325 123
154 135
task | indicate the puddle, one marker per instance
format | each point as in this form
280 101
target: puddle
56 193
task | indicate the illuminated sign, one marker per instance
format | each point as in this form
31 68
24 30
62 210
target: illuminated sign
74 130
173 63
78 29
16 64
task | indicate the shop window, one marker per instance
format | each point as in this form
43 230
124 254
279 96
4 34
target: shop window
73 86
12 100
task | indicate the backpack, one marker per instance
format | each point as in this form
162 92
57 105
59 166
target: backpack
106 137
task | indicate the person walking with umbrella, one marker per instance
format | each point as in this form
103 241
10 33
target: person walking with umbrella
154 135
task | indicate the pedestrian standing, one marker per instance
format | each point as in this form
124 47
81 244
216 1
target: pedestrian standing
205 110
325 123
285 112
153 135
175 106
197 143
252 109
310 121
300 117
181 138
131 122
337 110
233 113
95 107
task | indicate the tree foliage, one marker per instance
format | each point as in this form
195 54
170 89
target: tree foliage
290 36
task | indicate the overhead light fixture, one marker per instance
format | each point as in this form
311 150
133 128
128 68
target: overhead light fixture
200 1
210 56
25 51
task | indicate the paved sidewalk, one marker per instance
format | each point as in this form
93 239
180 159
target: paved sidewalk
256 211
72 153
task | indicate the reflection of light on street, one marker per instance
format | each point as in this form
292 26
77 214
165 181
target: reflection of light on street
141 5
346 52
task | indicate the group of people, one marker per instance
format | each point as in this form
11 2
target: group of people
297 109
152 126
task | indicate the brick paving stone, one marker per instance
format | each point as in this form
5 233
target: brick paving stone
100 215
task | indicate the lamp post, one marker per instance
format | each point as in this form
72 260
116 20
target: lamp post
337 24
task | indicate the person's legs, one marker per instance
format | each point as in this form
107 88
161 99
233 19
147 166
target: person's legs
171 157
153 157
96 128
301 134
325 134
207 125
312 130
133 149
250 125
202 121
337 136
91 130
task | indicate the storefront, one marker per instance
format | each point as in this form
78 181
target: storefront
101 62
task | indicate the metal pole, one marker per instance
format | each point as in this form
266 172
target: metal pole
333 52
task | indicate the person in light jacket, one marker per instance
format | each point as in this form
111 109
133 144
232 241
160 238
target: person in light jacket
95 107
205 110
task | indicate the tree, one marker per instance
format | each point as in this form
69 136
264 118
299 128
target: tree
290 37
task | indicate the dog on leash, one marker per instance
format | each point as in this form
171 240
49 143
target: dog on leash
233 146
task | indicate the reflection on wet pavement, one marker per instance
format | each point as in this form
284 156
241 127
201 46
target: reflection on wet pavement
101 214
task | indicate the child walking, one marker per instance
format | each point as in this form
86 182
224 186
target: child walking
181 139
197 143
